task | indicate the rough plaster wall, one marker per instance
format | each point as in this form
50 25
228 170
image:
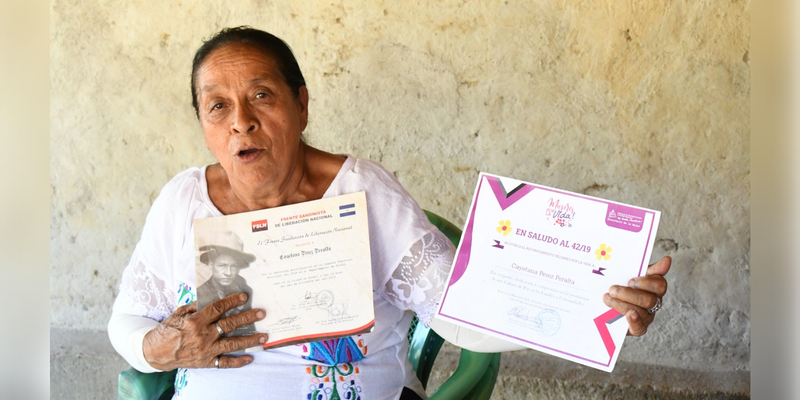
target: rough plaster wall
645 102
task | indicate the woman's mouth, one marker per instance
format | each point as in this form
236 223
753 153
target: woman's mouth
248 155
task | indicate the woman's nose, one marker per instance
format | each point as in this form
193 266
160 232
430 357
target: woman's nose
244 120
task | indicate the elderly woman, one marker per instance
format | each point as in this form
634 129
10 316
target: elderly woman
252 103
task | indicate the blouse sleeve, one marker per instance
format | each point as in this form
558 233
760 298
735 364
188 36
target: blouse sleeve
419 280
141 304
146 295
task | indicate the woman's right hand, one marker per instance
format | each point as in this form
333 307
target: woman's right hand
189 338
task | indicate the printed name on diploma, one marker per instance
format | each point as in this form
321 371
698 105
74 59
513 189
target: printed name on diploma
305 253
542 273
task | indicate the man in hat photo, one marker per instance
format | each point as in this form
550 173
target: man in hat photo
226 257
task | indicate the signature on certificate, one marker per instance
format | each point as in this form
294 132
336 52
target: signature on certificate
325 301
286 321
521 313
546 323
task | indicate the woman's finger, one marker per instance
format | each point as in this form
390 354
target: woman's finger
232 361
186 309
229 345
636 326
641 298
180 317
229 324
639 322
655 284
213 311
661 267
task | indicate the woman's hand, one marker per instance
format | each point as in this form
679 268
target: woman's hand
642 294
189 338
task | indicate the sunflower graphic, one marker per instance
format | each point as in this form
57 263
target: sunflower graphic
603 252
504 227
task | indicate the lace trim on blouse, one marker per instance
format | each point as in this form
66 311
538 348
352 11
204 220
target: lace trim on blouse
418 283
143 293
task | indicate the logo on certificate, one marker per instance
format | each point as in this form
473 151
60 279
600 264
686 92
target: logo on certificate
559 213
259 226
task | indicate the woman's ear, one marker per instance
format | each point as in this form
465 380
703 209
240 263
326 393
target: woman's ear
303 104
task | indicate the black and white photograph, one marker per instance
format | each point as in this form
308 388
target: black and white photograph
225 257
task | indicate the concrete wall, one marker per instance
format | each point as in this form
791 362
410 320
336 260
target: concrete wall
644 102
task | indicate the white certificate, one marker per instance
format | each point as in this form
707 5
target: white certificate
533 265
308 265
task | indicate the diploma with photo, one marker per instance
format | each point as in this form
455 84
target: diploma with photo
308 265
534 263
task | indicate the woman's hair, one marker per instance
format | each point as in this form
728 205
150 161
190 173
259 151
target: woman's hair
271 45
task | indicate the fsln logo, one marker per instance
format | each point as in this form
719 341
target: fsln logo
259 226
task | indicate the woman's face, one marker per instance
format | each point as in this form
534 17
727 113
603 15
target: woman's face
250 119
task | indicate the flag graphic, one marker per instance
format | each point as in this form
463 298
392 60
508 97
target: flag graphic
347 210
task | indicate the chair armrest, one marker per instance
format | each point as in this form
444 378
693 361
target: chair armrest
135 385
473 379
422 351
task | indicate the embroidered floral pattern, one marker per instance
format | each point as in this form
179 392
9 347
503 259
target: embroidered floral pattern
185 295
180 381
352 391
340 357
334 351
326 381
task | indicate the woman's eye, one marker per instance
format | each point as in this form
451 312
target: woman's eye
217 106
261 95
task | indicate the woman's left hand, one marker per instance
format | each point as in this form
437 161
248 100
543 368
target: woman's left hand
642 294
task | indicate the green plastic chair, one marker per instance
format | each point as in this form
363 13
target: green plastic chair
473 379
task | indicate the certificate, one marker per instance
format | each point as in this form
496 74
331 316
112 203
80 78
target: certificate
533 265
308 265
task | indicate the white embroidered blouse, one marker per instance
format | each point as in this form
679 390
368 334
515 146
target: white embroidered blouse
410 261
